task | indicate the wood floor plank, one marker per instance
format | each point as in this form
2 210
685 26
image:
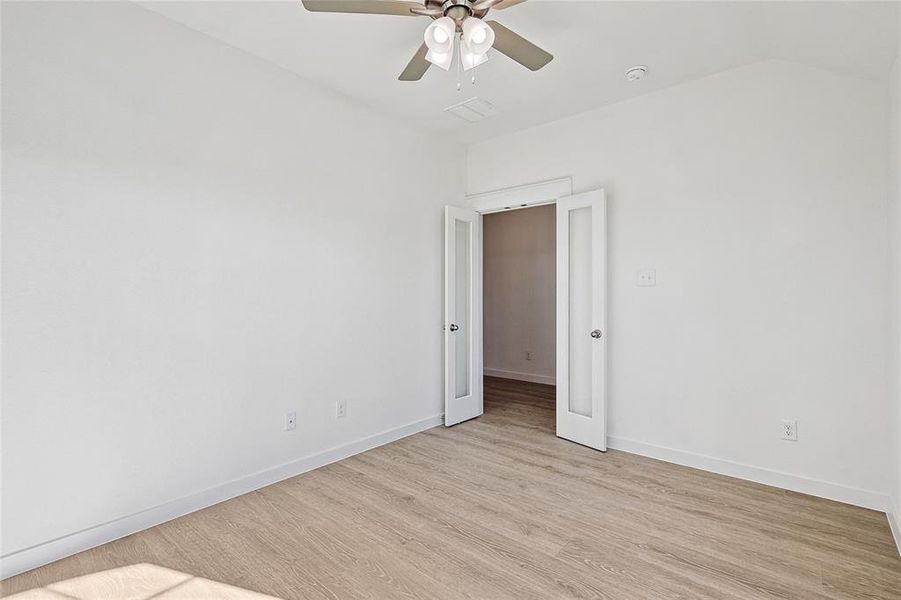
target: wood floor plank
498 507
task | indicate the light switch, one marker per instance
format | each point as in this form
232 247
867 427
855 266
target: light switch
646 278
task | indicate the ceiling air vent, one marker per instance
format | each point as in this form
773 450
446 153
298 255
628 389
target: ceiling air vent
472 110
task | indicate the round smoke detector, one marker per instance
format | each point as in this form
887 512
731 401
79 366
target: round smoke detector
636 72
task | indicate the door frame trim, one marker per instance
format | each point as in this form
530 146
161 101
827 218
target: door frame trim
521 196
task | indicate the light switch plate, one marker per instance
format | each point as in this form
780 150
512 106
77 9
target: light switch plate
646 278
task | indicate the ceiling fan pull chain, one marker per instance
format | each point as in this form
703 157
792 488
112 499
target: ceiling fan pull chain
459 43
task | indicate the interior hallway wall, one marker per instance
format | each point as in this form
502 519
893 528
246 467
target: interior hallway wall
519 261
759 196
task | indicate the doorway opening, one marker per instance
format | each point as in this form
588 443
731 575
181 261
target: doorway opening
519 255
580 305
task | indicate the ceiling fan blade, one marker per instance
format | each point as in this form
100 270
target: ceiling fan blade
417 66
519 48
427 12
495 4
370 7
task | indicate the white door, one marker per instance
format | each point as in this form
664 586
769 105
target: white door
462 315
582 319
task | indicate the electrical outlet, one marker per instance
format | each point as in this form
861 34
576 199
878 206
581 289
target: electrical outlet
341 409
790 430
646 278
529 355
290 421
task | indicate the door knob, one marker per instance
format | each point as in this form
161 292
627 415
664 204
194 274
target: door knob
453 327
596 333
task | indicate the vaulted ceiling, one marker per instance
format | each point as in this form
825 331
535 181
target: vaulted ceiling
593 43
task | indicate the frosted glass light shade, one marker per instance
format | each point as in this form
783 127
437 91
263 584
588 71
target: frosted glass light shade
478 36
439 36
471 59
441 59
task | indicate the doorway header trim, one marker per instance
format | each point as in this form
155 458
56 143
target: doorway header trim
521 196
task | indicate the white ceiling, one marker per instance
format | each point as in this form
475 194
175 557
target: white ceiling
593 42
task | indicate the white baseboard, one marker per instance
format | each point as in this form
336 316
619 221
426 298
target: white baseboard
531 377
895 526
52 550
814 487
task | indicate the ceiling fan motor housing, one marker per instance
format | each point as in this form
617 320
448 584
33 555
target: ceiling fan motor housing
458 10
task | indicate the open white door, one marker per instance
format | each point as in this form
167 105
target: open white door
462 315
582 319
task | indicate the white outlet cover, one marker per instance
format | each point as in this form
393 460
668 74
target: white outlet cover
341 408
290 421
790 430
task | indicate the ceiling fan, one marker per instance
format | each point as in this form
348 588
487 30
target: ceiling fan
455 23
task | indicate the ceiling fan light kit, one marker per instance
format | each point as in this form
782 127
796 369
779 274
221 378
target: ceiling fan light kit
441 59
455 23
439 36
470 60
477 35
474 43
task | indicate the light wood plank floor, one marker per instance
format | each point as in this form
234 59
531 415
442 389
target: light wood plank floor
500 508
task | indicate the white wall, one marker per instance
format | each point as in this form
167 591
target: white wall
194 243
895 235
759 196
519 255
